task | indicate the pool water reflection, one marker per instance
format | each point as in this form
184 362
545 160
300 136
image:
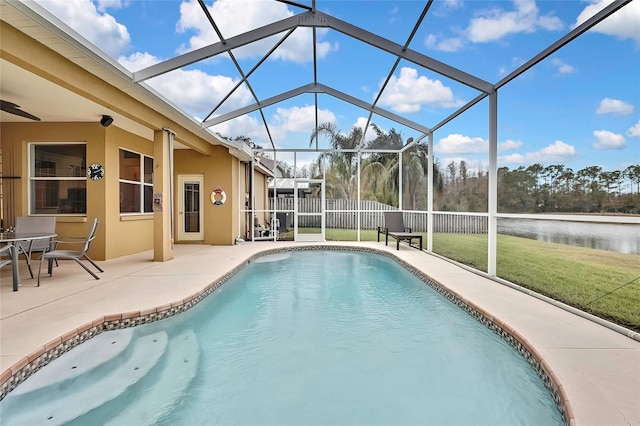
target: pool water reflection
313 337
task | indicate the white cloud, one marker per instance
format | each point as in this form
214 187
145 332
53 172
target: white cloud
297 119
452 44
393 15
550 23
496 23
255 14
192 90
614 106
453 4
474 166
509 144
606 140
562 67
556 152
623 24
137 61
512 159
244 125
101 29
370 134
459 144
634 131
111 4
408 92
516 61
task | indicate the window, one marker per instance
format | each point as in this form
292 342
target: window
136 182
57 178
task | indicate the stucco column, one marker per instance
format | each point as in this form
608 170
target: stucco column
162 195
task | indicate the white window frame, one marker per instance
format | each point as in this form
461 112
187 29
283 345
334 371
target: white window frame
31 148
140 182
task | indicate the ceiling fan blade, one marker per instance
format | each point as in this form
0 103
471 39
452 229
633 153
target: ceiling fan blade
12 108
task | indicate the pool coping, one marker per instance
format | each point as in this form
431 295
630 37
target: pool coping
24 368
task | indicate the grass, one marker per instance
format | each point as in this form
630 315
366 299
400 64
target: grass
585 278
578 276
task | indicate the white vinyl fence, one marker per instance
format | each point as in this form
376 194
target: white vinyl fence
343 214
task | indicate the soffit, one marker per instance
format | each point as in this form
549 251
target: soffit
52 103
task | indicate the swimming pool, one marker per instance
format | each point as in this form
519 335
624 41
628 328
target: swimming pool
322 337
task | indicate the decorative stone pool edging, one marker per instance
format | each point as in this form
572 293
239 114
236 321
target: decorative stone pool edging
27 366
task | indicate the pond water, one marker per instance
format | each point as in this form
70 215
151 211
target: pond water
622 238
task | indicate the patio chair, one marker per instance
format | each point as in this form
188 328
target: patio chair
6 253
394 227
258 229
274 228
27 224
75 255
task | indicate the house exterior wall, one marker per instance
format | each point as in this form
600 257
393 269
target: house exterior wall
261 197
218 171
118 234
243 198
103 196
127 233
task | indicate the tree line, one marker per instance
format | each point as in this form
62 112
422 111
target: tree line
557 188
532 189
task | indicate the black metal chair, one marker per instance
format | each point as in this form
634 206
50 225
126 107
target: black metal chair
75 255
394 227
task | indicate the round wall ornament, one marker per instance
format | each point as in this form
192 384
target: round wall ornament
218 197
95 171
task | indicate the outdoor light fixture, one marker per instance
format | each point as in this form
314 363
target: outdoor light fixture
106 120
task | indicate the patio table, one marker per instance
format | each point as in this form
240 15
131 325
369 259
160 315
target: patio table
11 238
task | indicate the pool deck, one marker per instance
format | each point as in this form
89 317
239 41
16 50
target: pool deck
599 368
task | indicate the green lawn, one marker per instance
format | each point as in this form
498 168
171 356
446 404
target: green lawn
578 276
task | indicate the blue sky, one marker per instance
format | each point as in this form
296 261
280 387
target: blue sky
579 107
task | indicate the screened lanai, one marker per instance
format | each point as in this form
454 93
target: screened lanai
335 182
469 117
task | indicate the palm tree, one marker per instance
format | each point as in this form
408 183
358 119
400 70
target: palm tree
414 170
342 176
415 166
380 171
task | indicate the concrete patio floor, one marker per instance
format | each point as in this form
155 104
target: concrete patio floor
598 368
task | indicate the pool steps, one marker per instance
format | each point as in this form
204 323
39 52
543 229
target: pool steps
183 356
104 378
64 370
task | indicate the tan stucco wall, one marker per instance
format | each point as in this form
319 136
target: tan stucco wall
217 170
117 235
128 234
15 138
260 188
237 199
103 196
243 191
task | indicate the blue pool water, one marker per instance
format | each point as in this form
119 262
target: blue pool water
301 338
